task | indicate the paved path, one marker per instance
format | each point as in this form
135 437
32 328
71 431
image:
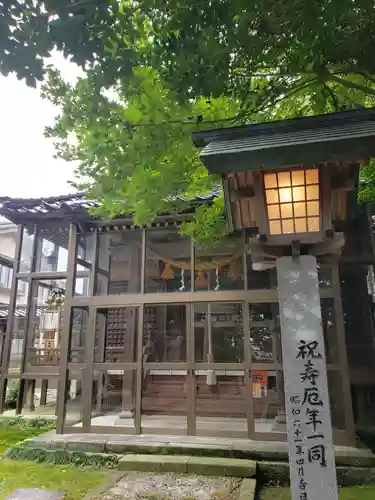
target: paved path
145 486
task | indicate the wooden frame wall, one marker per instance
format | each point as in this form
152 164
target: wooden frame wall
84 371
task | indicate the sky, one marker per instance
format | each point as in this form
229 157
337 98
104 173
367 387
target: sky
27 166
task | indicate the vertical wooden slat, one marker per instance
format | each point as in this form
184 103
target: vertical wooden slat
88 372
247 371
94 266
343 359
143 260
31 306
5 357
192 265
191 393
244 261
62 390
139 374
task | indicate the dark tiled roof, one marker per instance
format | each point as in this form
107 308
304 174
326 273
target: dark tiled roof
67 208
344 137
284 126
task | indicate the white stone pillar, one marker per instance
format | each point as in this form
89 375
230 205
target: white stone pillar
311 452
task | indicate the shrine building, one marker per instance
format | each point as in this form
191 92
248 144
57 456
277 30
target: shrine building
136 330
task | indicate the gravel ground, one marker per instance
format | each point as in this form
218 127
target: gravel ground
146 486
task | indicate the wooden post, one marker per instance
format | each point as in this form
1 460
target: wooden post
43 392
62 391
30 395
5 355
343 359
28 330
128 381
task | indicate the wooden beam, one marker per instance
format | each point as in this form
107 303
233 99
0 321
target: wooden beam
242 193
329 246
343 184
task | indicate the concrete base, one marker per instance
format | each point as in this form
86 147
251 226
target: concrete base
280 423
189 445
124 417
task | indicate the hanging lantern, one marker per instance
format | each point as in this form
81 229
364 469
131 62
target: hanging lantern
201 281
168 273
55 299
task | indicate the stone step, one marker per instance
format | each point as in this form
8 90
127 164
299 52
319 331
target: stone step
248 489
208 466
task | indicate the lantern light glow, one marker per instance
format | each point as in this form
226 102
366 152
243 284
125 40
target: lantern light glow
292 200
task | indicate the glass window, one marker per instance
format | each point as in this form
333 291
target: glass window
113 397
52 250
220 267
119 263
164 333
168 261
46 321
19 325
220 402
268 401
6 274
218 333
74 400
164 401
116 335
84 271
265 333
78 334
26 251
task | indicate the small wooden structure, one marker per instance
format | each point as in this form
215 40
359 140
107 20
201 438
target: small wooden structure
159 336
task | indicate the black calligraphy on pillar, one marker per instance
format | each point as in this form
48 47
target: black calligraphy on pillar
317 453
310 373
308 350
306 410
311 397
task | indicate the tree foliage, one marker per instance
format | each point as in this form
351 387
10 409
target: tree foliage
30 29
204 47
134 146
158 69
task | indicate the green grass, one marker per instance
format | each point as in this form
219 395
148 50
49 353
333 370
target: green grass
353 493
74 482
9 436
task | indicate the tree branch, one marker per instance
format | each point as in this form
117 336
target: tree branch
351 85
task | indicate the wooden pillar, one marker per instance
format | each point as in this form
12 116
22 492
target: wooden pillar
43 392
62 391
128 381
139 343
87 383
343 360
7 345
31 304
30 395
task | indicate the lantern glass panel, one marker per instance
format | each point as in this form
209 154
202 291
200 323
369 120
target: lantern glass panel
292 199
